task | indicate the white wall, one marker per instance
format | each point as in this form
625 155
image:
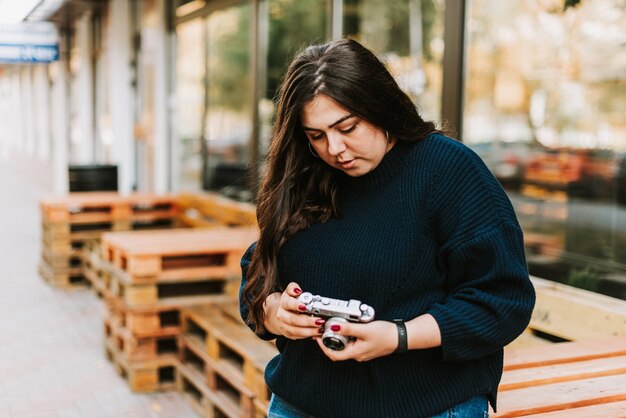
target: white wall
60 126
120 93
83 95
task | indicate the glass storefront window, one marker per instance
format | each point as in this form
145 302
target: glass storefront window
291 26
228 118
408 35
545 98
190 92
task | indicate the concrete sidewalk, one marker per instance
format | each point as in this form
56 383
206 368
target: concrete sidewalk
52 361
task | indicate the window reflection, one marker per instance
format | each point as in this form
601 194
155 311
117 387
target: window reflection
190 65
408 34
228 118
544 102
291 26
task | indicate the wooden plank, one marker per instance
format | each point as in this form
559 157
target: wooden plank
576 314
562 372
527 339
564 353
561 396
208 209
178 241
606 410
260 408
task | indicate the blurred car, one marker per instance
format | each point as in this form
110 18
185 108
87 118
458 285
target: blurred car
582 173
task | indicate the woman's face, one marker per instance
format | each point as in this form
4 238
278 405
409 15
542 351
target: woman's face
341 139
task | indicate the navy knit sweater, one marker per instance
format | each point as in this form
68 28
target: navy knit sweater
430 230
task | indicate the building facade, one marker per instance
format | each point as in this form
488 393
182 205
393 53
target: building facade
178 94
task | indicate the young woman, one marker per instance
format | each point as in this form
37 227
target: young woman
364 200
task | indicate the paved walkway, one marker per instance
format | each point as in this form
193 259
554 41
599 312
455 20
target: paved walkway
52 361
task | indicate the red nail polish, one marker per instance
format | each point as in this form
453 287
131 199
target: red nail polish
297 291
335 327
301 307
321 330
319 322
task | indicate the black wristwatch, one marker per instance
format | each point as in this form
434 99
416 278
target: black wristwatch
403 342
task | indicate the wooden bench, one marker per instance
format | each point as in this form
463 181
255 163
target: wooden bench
222 362
68 222
573 379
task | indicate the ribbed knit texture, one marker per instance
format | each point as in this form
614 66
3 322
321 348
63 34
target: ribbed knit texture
429 230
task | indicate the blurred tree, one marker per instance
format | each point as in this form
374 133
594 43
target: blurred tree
228 57
292 25
570 3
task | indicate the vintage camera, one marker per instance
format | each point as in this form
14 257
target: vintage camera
337 311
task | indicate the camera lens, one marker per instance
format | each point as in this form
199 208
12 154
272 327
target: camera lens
334 343
330 339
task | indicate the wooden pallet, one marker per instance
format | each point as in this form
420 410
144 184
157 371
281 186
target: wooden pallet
219 389
209 403
139 348
64 278
63 232
165 294
62 260
234 351
144 376
161 320
208 210
103 207
573 379
92 267
178 254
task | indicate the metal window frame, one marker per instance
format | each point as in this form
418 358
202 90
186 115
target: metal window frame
452 95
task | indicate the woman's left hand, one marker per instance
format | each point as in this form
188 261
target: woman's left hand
374 339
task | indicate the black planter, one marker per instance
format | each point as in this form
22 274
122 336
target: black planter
93 178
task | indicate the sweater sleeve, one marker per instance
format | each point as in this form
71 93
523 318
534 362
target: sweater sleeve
489 294
243 308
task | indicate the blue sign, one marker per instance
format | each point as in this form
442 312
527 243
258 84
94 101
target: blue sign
29 43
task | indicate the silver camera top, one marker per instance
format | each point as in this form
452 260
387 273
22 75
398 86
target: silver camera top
352 310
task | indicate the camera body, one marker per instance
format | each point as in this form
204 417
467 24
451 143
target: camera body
336 311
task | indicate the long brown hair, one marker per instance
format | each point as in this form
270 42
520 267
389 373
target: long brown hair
298 188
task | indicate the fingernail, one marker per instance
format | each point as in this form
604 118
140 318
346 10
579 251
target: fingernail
335 327
297 291
301 307
321 330
319 322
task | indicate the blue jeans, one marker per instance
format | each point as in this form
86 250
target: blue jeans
477 407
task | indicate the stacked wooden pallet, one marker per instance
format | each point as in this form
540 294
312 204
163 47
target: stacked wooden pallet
149 276
222 363
68 222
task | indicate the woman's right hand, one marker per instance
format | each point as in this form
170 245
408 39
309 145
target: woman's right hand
283 315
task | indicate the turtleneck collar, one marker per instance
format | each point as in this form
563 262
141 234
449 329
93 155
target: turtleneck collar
391 163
